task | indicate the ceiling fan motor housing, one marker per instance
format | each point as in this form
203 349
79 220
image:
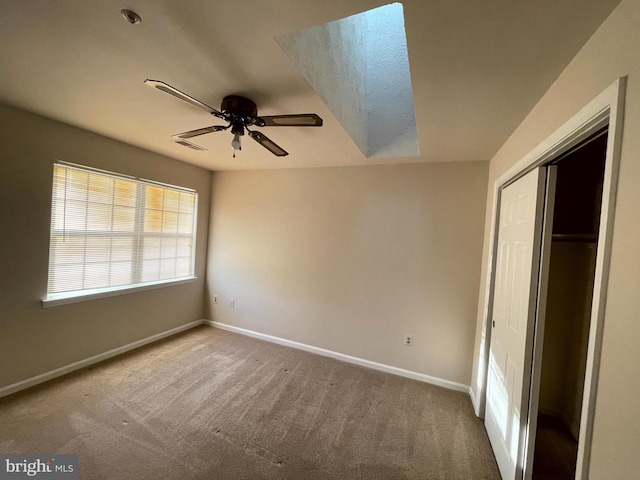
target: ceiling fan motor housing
239 106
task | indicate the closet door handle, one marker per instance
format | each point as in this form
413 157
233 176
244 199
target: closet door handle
493 323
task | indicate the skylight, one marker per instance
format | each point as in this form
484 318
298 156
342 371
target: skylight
360 67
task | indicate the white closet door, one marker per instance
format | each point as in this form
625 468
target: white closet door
514 307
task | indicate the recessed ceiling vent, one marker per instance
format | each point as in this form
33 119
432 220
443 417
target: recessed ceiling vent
360 67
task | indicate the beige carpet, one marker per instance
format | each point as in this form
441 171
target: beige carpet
556 450
209 404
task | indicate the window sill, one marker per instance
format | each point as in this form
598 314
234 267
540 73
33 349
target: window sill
75 297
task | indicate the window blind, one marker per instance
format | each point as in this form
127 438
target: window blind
110 231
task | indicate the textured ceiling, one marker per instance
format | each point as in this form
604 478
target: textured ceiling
477 68
359 66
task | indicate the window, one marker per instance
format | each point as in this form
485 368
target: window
111 232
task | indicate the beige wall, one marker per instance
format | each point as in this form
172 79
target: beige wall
613 51
350 259
34 340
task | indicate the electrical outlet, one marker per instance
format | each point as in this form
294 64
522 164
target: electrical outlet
408 340
232 303
215 299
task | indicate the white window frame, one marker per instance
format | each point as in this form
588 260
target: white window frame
64 298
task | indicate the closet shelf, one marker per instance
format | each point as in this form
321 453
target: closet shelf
575 237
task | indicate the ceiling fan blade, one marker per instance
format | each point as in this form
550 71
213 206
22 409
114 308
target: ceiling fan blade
267 143
188 144
166 88
296 120
200 131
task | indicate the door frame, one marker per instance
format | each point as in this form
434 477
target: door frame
607 109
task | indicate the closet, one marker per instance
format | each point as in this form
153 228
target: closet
576 218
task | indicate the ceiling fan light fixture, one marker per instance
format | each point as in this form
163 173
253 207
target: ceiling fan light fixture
235 144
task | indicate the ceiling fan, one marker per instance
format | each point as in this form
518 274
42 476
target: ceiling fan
240 113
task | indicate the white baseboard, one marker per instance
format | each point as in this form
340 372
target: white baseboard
30 382
44 377
474 402
345 358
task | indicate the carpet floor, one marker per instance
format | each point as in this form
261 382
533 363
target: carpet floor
556 450
210 404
